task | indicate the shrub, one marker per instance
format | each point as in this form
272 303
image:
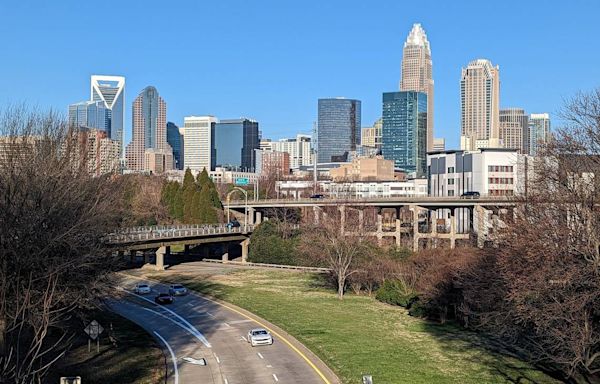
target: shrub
395 293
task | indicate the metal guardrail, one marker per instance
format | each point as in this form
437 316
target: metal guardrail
264 265
408 199
140 234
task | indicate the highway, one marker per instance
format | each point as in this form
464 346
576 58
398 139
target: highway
194 328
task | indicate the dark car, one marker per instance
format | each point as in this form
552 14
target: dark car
163 298
233 224
317 196
470 195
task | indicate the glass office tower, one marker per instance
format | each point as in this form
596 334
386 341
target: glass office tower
90 114
111 91
338 129
404 132
235 143
176 142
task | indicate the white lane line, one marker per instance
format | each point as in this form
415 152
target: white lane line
197 333
269 366
275 377
217 358
191 332
241 321
259 355
173 358
243 338
225 380
227 325
210 314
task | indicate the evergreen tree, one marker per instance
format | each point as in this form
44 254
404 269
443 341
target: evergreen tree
208 214
188 179
178 203
203 178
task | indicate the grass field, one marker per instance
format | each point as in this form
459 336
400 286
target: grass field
133 358
360 335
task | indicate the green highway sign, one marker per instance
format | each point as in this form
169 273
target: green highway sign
242 181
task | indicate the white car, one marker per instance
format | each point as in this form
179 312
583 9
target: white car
142 289
177 290
259 336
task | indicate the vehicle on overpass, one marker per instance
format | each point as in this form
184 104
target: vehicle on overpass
233 224
177 290
470 195
164 298
259 336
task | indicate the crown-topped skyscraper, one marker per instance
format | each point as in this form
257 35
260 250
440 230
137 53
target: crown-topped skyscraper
417 74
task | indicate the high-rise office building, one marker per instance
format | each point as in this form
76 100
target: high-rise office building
236 142
480 105
90 114
417 73
299 149
539 131
371 136
175 140
149 149
199 143
514 129
338 131
111 91
404 132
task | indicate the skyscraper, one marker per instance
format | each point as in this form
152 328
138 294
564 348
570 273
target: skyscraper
111 91
539 131
297 147
149 150
404 131
199 143
370 137
175 140
338 131
480 105
514 129
236 142
90 114
417 73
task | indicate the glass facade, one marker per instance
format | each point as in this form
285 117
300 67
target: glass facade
235 144
338 129
176 142
91 114
111 91
404 131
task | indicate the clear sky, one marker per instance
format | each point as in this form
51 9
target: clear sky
272 60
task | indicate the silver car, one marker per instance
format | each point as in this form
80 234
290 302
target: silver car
177 290
142 289
259 336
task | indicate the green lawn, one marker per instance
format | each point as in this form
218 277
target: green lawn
132 356
361 335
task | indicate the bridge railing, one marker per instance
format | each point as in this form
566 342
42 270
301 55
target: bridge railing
355 199
140 234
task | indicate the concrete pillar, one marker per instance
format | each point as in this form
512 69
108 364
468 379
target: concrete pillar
342 209
251 212
433 214
245 244
316 214
398 227
415 210
160 258
379 226
258 217
452 229
225 252
361 220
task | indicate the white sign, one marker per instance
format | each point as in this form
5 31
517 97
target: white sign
191 360
94 329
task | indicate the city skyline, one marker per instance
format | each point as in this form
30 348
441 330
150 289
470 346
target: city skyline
287 81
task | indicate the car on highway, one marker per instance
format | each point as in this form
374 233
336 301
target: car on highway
259 336
177 290
164 298
317 196
142 289
470 195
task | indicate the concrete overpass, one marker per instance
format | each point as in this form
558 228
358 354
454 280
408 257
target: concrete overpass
162 238
431 218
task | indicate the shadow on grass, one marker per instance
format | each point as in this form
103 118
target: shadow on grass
496 356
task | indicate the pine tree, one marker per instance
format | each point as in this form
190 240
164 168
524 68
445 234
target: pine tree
208 214
188 179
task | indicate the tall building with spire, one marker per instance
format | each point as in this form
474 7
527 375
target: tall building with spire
149 149
480 106
110 90
417 74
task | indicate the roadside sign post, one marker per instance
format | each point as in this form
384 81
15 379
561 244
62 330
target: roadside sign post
367 379
94 329
70 380
242 181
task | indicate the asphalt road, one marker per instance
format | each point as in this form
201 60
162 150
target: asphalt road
194 328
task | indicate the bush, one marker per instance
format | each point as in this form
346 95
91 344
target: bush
267 246
395 293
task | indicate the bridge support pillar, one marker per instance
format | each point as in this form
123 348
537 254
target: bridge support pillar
245 245
452 228
250 217
398 226
316 214
379 226
361 220
415 210
225 252
160 258
258 217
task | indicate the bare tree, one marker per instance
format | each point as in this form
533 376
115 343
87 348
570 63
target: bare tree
326 245
53 260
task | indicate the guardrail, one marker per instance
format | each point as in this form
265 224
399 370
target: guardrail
415 199
264 265
165 232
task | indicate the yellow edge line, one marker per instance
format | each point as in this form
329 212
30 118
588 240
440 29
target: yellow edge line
312 365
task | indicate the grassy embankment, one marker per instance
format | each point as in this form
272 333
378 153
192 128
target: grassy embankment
133 358
361 335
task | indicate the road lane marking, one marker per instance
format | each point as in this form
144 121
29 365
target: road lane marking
182 326
227 325
217 358
275 377
260 355
240 321
197 333
173 358
269 366
225 380
210 314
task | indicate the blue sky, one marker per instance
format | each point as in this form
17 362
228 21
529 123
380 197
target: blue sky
272 60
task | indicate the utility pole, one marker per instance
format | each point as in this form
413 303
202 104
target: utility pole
315 152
